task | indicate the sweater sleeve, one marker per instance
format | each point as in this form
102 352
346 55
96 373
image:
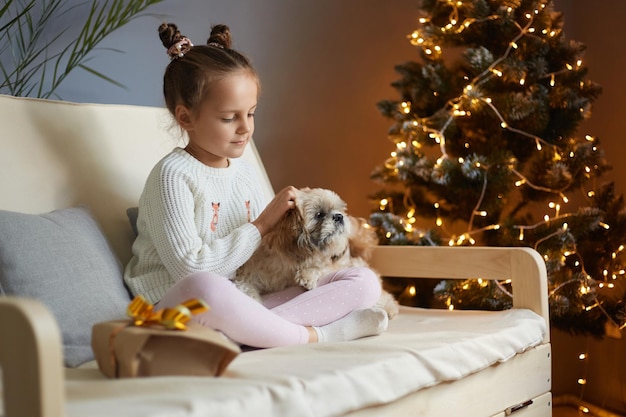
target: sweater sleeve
179 219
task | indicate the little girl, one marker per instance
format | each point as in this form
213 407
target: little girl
202 214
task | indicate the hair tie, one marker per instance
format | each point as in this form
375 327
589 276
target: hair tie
180 48
216 44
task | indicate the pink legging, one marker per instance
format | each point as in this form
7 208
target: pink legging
281 319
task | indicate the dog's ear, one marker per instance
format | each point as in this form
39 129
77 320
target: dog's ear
304 242
286 236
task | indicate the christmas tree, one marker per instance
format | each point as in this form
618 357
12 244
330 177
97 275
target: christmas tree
486 152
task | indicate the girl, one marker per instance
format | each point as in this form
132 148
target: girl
202 214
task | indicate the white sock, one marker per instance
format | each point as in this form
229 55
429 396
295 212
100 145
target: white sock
357 324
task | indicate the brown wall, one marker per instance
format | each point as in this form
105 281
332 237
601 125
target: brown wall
323 129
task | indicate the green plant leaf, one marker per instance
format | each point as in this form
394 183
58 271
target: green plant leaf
29 38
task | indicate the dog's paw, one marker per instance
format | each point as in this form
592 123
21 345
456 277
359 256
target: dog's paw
307 278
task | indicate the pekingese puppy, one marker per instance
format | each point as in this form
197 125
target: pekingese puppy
316 238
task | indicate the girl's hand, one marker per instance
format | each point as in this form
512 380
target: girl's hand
284 201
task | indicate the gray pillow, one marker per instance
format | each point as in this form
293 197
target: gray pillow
63 259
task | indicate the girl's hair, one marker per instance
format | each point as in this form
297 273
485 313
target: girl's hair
194 69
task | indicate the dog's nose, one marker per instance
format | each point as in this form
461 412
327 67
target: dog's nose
338 218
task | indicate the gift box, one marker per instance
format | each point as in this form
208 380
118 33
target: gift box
151 345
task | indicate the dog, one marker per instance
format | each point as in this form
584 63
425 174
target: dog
316 238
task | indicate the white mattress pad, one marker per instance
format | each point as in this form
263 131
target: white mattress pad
421 348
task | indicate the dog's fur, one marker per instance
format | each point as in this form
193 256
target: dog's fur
314 239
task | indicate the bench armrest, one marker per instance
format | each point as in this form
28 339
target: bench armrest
523 266
31 358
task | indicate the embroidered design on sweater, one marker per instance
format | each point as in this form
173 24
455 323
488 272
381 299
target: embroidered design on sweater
248 209
216 215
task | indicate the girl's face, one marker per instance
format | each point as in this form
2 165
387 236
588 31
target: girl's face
223 124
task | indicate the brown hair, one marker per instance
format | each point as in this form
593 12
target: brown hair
195 68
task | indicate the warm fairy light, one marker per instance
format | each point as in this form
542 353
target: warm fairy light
582 381
583 409
582 356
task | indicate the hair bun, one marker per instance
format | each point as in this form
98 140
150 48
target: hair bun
220 36
169 34
176 43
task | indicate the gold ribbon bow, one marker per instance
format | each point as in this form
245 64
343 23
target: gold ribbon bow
175 318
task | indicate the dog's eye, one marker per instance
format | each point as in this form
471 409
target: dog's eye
320 215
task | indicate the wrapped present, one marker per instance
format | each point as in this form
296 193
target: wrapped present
163 342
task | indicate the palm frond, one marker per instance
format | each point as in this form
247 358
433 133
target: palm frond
29 65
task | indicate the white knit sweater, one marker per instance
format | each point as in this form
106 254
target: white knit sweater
193 218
